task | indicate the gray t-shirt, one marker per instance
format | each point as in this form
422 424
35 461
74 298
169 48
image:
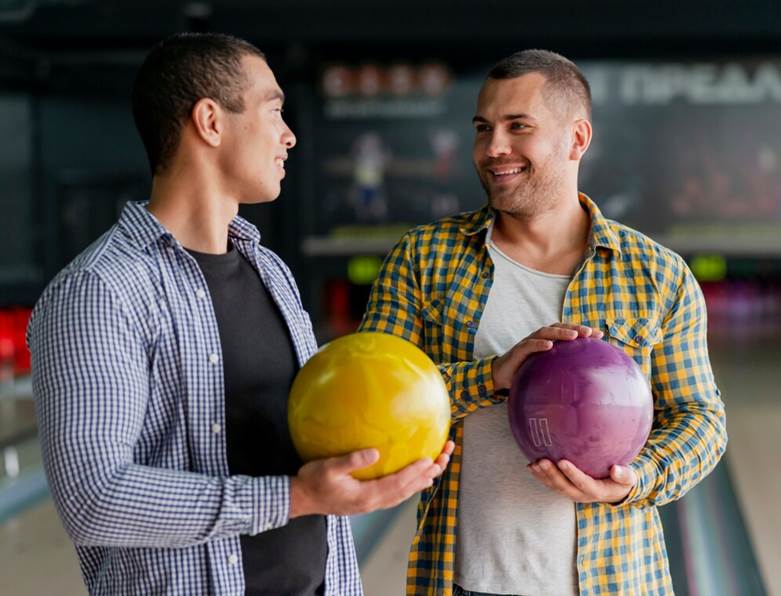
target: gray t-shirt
515 535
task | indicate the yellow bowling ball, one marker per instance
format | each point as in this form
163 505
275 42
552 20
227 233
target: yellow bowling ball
369 390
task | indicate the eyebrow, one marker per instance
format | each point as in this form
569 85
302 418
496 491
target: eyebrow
505 118
274 94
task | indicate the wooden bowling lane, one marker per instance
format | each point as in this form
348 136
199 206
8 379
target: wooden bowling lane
384 568
36 555
748 370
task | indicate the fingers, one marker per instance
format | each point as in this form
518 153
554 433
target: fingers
623 475
328 486
353 461
554 333
547 473
395 488
525 348
419 474
580 480
566 331
582 330
571 482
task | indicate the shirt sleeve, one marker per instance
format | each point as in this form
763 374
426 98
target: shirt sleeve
395 306
91 385
689 434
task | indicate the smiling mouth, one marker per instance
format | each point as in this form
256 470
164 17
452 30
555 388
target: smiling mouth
280 162
507 172
503 174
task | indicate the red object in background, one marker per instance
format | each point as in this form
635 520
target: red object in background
7 348
13 326
21 320
337 298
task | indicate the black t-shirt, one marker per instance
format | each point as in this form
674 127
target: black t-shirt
259 364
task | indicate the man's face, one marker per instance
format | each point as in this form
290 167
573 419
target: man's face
257 140
522 145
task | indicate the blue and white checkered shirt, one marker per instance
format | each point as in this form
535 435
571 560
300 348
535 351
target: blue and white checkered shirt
128 385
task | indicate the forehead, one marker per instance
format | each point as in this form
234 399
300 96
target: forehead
260 77
519 95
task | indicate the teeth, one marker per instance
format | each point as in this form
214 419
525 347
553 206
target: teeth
280 162
508 172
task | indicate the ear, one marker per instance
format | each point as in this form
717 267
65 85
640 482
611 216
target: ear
207 118
581 139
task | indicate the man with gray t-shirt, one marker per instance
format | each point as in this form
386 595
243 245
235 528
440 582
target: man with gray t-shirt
542 525
480 292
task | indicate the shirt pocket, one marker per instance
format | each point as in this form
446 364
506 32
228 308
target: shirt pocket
637 337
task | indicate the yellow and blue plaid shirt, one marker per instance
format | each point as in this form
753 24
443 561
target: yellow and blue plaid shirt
432 290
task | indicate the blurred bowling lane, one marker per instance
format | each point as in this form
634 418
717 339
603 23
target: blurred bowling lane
748 371
36 555
384 571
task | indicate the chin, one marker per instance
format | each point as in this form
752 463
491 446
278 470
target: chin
263 195
514 206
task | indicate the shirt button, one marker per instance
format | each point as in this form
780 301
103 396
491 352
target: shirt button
216 428
486 274
470 324
213 358
233 559
482 390
200 293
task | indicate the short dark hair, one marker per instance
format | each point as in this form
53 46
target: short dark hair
177 73
561 75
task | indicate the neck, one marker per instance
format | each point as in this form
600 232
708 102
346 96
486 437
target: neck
553 241
193 209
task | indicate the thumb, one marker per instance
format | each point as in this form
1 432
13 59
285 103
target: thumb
355 460
623 475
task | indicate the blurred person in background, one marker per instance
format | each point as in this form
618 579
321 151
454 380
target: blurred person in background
164 353
478 293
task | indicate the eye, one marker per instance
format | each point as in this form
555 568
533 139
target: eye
482 128
517 126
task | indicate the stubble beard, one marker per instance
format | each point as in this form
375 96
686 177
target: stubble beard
536 193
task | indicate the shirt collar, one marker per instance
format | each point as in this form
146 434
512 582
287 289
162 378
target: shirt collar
143 228
600 234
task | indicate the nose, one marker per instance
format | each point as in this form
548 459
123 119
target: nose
498 144
288 138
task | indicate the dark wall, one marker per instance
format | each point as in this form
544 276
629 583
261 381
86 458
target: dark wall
69 155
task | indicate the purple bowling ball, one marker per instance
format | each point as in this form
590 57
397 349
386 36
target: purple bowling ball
584 401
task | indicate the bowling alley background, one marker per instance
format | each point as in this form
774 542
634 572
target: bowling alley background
687 149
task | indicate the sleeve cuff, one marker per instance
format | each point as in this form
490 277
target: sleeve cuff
645 469
470 381
271 503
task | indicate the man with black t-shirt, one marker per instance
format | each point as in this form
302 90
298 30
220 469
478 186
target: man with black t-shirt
163 356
